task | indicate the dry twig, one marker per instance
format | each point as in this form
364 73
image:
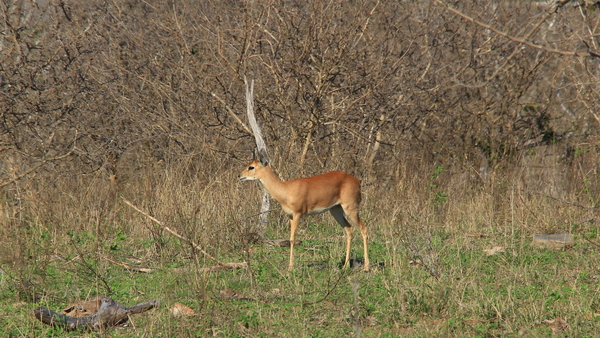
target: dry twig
196 246
588 53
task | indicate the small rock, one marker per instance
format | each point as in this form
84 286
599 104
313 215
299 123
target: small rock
553 241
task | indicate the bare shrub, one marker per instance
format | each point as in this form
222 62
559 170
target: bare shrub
145 99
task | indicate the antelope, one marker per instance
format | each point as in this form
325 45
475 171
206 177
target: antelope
335 191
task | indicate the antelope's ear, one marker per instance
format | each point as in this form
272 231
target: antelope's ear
264 158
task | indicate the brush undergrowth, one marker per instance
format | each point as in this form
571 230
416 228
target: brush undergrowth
430 276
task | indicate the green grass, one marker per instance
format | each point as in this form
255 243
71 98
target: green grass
474 295
430 274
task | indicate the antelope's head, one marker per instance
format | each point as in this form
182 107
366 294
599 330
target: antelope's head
254 169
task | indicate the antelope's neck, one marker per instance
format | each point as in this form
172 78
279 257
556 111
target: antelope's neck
274 185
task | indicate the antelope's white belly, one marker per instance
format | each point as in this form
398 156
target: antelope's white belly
318 211
312 212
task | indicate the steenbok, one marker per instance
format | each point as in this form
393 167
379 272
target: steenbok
335 191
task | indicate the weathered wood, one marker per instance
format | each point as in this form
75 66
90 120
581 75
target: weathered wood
265 206
110 314
284 243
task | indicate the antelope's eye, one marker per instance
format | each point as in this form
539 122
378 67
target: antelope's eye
251 167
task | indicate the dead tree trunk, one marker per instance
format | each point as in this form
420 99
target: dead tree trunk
261 146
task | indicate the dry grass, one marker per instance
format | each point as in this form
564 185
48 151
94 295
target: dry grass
428 236
464 141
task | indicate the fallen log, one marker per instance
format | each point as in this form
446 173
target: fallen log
111 313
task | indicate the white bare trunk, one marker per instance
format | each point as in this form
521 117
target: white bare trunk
261 146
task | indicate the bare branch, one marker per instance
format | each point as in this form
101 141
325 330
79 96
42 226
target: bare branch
34 168
174 233
589 53
232 113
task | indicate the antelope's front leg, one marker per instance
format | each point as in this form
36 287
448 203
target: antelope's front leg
294 220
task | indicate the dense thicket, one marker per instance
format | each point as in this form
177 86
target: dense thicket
383 89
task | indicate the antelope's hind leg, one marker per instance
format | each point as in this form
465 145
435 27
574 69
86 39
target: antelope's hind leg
338 213
352 216
365 236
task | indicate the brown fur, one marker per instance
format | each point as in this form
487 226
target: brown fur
335 191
